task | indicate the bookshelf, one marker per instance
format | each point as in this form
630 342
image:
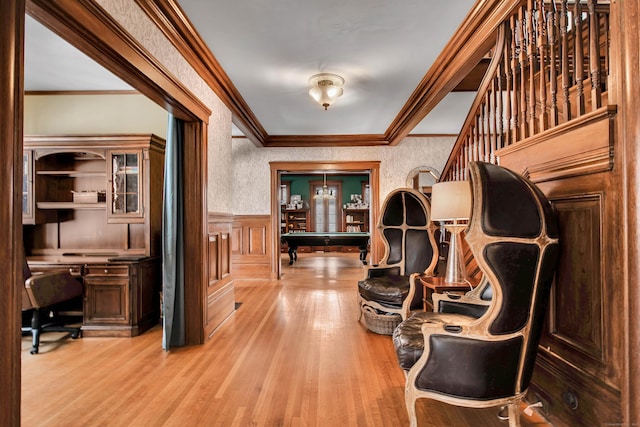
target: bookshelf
355 220
294 220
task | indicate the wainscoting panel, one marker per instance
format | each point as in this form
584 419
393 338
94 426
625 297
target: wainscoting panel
257 240
576 311
251 248
220 289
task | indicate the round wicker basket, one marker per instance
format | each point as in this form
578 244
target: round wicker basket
380 322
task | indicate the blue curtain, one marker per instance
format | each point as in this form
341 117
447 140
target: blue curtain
173 238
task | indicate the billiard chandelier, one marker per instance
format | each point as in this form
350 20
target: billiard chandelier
325 88
325 193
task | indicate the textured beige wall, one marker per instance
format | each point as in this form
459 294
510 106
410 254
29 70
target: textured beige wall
89 114
251 170
136 22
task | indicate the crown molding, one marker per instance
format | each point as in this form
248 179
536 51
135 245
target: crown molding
82 92
325 140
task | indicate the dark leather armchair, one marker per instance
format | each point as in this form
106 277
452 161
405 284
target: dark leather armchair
43 294
486 357
410 248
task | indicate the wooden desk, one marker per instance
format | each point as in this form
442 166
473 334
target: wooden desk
121 293
438 285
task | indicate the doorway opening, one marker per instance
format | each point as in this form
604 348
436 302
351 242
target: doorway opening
320 214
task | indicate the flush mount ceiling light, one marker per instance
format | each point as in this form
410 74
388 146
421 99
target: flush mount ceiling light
325 88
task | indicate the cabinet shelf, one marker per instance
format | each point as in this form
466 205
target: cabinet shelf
72 174
70 205
294 220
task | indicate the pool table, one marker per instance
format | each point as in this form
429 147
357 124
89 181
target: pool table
307 238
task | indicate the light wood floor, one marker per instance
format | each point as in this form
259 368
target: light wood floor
293 354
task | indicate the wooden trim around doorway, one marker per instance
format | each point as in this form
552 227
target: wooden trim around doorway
301 167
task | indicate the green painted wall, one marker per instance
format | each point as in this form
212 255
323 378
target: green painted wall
351 184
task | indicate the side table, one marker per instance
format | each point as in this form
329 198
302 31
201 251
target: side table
432 284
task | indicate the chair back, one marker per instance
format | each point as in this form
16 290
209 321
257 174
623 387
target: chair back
406 232
26 273
513 235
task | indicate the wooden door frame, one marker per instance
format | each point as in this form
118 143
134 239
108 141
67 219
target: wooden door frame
89 28
11 121
318 166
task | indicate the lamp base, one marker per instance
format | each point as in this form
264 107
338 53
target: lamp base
456 268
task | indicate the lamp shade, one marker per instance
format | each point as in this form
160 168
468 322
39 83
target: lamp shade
450 200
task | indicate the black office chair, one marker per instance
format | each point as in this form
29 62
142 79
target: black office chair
480 351
44 294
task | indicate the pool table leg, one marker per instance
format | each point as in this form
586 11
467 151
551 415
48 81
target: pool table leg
363 254
293 254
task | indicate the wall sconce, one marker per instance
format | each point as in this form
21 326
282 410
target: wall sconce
325 88
451 204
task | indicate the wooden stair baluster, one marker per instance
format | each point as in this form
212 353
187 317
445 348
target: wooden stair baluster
594 56
564 52
542 61
522 60
578 66
552 23
531 64
515 99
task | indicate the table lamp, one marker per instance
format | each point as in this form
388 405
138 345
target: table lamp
451 204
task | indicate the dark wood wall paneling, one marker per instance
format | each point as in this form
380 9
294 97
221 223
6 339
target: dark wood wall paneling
578 377
251 246
219 292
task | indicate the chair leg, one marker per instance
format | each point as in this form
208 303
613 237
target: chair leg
410 402
514 414
37 328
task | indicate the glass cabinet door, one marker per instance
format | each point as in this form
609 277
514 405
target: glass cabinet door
27 189
125 189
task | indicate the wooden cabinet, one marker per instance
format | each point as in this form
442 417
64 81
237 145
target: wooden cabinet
106 294
294 220
79 189
355 220
121 298
95 202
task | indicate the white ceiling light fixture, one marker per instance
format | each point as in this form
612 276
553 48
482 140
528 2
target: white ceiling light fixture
325 88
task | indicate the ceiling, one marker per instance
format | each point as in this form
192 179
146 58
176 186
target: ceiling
270 49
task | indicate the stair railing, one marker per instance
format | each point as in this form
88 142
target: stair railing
546 54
